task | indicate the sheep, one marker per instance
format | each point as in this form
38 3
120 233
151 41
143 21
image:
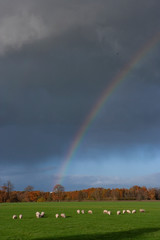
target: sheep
128 211
109 212
118 212
14 216
105 211
82 211
42 214
63 215
90 211
78 211
141 210
124 211
57 215
20 216
134 211
38 215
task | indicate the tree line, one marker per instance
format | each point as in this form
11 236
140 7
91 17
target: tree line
7 194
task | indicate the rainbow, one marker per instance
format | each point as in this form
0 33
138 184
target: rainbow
115 82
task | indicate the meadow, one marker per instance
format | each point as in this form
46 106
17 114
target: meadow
96 226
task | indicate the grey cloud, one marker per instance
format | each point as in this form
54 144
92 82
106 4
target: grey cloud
84 182
19 28
40 178
27 22
24 22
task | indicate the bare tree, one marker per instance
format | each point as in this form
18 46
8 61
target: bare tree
29 188
9 188
58 190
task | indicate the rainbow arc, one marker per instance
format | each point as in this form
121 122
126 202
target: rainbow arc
114 84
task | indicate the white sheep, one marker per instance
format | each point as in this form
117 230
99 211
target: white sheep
14 216
57 215
82 211
141 210
105 211
124 211
38 215
118 212
42 214
20 216
109 212
90 211
128 211
134 211
63 215
78 211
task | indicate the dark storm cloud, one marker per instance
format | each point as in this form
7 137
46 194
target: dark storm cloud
25 22
29 144
56 59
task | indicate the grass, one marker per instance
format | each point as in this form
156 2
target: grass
96 226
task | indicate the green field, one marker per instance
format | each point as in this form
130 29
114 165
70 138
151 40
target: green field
96 226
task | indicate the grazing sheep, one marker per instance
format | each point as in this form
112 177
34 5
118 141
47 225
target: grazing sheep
141 210
20 216
78 211
109 212
38 215
128 211
105 211
118 212
134 211
82 211
14 217
57 215
63 215
90 211
42 214
124 211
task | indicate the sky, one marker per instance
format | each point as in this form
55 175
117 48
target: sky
56 59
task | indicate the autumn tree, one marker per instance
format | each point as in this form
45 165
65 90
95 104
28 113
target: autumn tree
80 196
3 193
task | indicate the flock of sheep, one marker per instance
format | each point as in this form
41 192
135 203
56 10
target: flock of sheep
15 216
63 215
109 212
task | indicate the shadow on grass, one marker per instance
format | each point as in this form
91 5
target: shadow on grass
126 235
